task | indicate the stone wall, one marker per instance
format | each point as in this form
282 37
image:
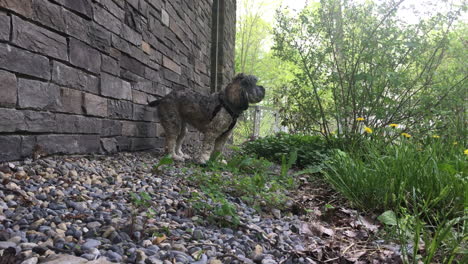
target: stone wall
76 75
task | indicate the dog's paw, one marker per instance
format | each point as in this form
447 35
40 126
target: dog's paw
178 158
186 156
203 159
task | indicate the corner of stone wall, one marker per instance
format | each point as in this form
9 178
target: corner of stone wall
76 76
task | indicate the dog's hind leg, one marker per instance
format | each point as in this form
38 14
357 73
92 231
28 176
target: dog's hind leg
172 127
180 141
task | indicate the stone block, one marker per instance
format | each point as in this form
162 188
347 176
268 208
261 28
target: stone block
109 145
84 56
152 75
77 26
164 17
131 35
139 144
113 8
89 144
170 64
133 18
120 109
99 37
129 128
71 101
156 4
49 14
171 76
95 105
27 145
107 20
132 65
161 90
38 39
25 62
72 77
123 143
140 97
121 45
78 124
61 144
114 87
144 113
83 7
110 65
10 148
38 95
111 128
4 26
40 122
23 7
8 89
146 130
11 120
69 144
146 47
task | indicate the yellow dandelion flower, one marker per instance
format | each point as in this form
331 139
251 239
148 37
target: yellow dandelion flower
466 151
368 130
436 136
360 119
393 125
455 143
406 135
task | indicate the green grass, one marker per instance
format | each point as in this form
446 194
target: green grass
423 183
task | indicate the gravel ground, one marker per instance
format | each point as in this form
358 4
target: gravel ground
79 210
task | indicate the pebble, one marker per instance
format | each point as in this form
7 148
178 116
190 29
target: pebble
83 205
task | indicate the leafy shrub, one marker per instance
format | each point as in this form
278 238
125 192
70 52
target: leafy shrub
311 150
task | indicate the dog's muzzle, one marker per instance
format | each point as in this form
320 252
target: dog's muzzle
256 94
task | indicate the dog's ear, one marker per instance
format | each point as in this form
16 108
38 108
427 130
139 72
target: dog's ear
239 77
249 82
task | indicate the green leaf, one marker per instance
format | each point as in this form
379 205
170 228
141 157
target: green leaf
388 218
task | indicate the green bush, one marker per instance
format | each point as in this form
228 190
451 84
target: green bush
311 150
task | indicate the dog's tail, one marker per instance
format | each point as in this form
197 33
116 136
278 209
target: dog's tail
154 103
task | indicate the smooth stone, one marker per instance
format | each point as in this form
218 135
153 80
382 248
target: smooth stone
32 260
113 256
6 244
91 243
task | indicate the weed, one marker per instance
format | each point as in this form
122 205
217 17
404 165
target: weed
141 201
249 178
166 160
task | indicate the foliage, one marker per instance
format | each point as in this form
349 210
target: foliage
253 56
141 203
359 59
421 182
248 178
311 150
166 160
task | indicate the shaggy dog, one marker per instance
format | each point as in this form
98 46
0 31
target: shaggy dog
214 115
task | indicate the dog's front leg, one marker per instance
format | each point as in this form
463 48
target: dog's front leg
207 148
221 141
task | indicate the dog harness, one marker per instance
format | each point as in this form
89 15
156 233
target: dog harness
234 115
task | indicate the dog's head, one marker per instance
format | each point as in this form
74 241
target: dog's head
244 90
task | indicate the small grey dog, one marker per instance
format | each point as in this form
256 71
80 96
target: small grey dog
214 115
